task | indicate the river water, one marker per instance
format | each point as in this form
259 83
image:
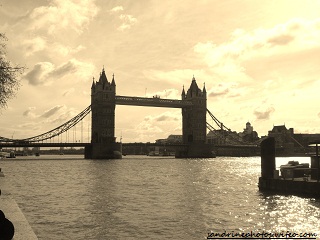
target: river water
140 197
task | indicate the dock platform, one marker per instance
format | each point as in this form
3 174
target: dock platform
298 186
293 180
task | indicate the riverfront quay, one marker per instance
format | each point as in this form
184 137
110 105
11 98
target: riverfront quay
23 230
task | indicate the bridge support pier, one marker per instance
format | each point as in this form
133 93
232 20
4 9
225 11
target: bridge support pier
196 150
103 151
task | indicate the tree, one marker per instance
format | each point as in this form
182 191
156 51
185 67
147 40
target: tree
9 83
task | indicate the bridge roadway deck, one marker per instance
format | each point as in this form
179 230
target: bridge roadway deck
36 144
10 145
152 102
155 144
236 146
40 144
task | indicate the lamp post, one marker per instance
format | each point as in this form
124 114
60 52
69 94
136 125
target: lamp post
317 159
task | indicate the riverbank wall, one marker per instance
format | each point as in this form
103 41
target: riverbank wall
23 230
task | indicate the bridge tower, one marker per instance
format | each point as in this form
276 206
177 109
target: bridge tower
103 142
194 119
194 123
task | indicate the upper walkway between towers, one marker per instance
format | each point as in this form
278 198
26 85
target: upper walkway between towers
152 102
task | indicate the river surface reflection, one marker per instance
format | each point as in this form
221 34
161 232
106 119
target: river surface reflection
139 197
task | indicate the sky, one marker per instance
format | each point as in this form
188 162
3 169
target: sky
259 61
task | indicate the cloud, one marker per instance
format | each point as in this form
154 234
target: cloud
127 22
38 75
86 93
26 113
52 111
271 84
34 45
68 92
145 127
175 75
65 116
66 50
220 90
167 93
261 63
117 9
281 40
228 59
166 116
227 89
63 15
62 70
263 114
29 113
30 125
156 126
49 119
44 73
49 113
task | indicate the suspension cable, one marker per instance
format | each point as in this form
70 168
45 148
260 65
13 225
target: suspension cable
54 132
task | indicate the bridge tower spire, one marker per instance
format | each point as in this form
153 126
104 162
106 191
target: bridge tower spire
183 94
103 142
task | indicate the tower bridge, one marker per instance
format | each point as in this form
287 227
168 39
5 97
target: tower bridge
104 100
193 104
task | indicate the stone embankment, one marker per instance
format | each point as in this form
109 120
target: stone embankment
22 228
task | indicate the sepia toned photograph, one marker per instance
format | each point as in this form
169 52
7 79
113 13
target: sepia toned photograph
146 119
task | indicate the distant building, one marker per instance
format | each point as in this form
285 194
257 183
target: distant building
282 135
171 139
174 139
283 138
224 137
217 137
292 142
248 135
161 141
248 129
